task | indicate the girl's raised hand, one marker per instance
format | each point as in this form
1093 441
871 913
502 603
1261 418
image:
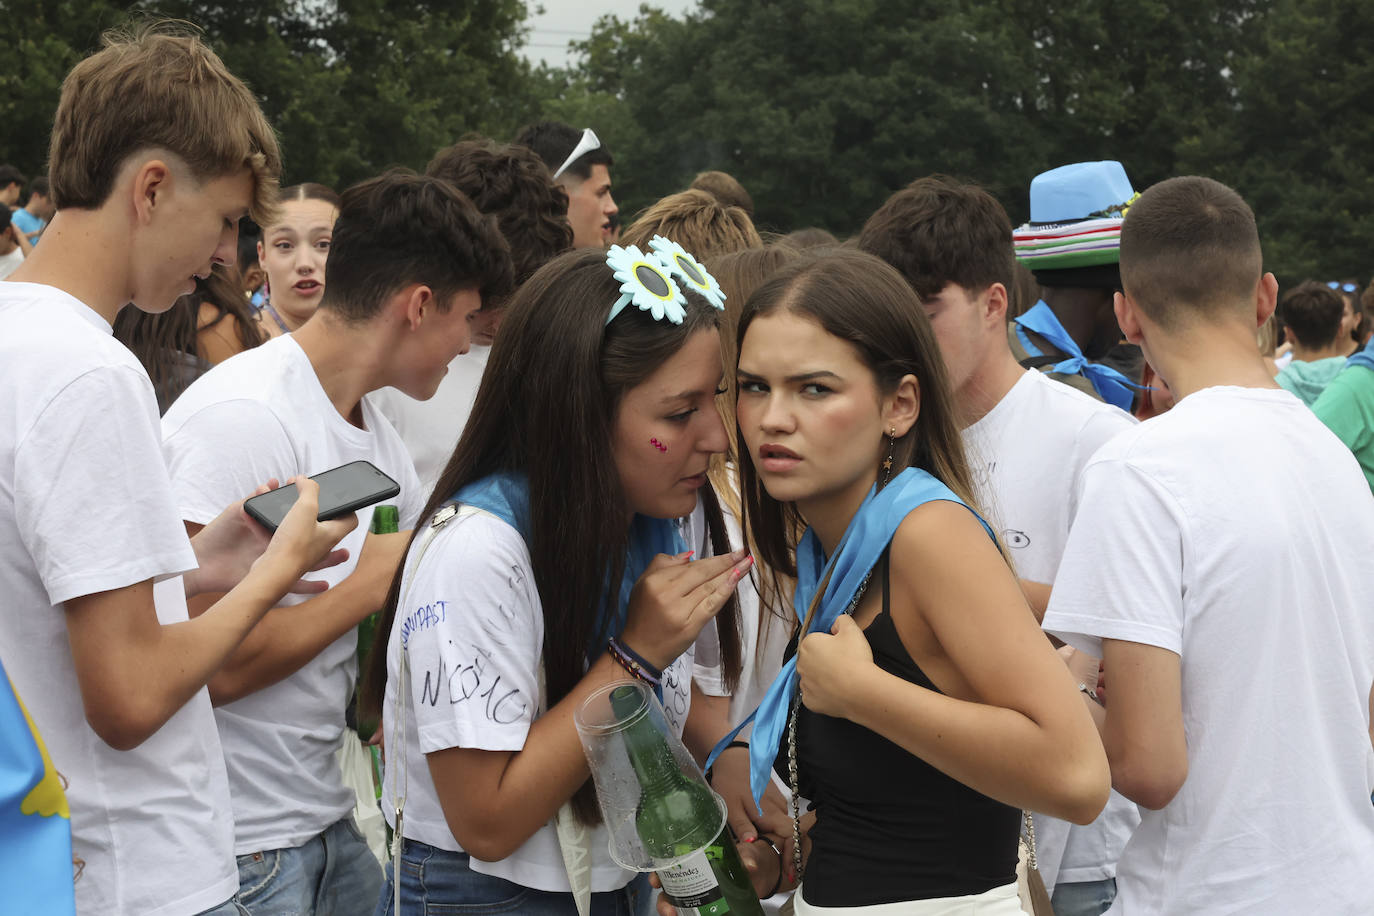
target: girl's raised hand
830 665
675 598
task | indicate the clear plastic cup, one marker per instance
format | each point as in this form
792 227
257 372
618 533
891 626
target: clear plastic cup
601 729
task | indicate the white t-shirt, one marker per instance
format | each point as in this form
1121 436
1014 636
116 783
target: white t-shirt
473 626
1236 531
1027 455
258 415
9 263
431 428
86 507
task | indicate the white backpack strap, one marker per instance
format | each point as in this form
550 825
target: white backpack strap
574 837
400 782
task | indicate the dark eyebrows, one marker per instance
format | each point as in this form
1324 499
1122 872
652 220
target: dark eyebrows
800 377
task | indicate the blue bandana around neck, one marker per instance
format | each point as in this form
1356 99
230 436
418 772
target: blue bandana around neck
507 496
1363 357
868 534
1111 385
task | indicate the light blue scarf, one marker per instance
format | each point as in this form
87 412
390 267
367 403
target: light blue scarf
1111 385
507 496
868 534
1363 357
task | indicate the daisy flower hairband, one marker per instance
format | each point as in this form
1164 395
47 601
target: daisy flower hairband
651 281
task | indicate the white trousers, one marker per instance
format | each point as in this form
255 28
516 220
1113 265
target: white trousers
1000 901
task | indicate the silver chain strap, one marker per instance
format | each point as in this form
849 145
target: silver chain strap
792 778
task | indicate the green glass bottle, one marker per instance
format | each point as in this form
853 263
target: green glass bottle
385 520
678 816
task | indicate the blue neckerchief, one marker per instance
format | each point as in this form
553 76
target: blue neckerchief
507 496
1112 386
868 534
1364 357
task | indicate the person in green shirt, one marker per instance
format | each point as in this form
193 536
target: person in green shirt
1347 409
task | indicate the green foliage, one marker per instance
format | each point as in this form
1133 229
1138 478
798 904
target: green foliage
352 86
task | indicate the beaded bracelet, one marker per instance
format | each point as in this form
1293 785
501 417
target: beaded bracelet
634 663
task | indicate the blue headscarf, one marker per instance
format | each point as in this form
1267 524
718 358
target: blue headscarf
507 496
1111 385
868 534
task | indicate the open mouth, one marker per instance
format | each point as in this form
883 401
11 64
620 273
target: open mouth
306 287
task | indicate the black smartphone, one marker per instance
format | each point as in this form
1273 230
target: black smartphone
344 489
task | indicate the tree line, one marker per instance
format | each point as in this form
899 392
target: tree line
820 107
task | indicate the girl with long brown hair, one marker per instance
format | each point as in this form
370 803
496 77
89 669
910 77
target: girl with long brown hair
924 707
560 561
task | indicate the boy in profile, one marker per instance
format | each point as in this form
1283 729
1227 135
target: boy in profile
1218 565
157 150
411 263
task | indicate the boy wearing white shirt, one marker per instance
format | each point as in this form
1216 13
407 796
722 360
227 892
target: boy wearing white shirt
1027 437
1218 564
93 627
410 263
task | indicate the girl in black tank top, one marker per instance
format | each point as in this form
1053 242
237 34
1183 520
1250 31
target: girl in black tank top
919 738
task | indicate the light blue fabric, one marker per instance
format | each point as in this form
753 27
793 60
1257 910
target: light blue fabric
35 830
27 223
1078 190
1111 385
869 532
1363 357
507 496
333 874
1308 380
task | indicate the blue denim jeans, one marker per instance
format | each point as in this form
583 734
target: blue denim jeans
333 874
1083 898
439 881
228 908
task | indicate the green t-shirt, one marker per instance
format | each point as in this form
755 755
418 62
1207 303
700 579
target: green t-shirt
1347 409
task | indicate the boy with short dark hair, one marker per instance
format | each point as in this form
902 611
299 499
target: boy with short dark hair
34 215
1027 437
1316 322
580 163
1218 564
410 263
157 151
511 184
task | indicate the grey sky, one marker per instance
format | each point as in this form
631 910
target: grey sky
570 20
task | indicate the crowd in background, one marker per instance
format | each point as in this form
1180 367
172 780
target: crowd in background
1037 552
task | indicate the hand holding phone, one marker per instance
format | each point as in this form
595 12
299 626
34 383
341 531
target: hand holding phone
343 490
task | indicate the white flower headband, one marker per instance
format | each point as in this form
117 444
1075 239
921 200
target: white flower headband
647 280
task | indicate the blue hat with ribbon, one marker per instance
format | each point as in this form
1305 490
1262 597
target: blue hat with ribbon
1076 215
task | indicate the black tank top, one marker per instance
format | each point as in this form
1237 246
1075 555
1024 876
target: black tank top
890 827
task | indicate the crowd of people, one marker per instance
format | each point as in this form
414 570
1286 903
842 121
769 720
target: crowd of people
983 569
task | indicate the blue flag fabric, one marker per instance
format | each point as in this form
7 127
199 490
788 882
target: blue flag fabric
1113 387
868 534
1364 357
507 496
35 823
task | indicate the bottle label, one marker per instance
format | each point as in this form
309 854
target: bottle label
692 888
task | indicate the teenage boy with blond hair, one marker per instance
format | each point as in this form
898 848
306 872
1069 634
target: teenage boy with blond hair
157 151
1219 565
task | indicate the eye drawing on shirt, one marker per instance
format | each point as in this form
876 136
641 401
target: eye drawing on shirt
1016 539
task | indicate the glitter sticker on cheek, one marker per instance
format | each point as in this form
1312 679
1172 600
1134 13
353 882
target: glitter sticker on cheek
658 445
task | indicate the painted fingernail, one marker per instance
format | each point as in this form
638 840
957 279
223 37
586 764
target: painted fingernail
750 838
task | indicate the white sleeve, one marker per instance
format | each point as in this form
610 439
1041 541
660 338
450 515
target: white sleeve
225 451
1097 430
472 628
92 500
1123 569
